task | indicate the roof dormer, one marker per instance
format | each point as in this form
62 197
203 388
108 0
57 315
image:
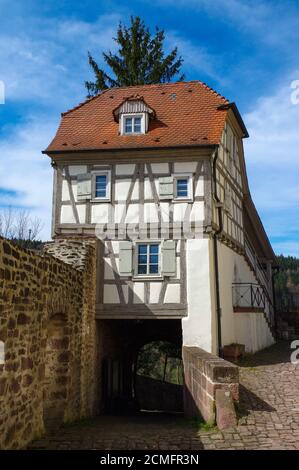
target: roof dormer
133 116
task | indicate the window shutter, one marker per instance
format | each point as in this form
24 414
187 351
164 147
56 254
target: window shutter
168 258
84 187
166 187
125 259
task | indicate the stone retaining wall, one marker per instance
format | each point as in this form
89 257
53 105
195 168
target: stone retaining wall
47 324
205 373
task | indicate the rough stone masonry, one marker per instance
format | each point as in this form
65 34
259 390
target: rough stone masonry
48 331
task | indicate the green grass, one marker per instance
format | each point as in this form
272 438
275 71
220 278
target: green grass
202 425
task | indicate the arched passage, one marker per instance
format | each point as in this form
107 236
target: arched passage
158 380
121 342
56 373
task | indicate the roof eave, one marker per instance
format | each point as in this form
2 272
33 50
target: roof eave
124 149
236 112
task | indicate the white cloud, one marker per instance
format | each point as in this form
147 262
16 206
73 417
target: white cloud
272 156
26 171
43 64
196 57
49 57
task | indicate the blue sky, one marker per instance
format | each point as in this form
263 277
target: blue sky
246 50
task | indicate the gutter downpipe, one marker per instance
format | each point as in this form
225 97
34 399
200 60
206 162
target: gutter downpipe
216 260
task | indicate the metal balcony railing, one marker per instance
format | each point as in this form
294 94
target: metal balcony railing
247 295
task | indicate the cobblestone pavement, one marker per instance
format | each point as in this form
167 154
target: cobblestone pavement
269 417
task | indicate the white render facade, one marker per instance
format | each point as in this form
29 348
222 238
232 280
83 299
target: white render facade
141 206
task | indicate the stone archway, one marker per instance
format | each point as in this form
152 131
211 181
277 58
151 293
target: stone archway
121 341
56 373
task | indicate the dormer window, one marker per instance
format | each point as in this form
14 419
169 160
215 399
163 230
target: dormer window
133 124
133 116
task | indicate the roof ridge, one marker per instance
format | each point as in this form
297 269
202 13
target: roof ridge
82 103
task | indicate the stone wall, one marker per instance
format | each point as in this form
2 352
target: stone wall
205 373
47 324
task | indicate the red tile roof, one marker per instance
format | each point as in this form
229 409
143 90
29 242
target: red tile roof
186 113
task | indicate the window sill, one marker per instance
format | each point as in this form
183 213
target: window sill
147 278
126 134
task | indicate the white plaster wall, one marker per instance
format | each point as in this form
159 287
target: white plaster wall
124 169
150 213
138 289
199 188
232 330
164 210
81 209
67 215
155 288
198 211
161 168
179 210
172 294
99 213
108 271
75 170
197 327
185 167
122 188
252 330
110 294
65 194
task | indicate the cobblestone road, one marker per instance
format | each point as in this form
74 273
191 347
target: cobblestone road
269 417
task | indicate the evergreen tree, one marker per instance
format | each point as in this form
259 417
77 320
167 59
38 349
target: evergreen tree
140 60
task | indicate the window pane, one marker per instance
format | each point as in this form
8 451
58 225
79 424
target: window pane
154 259
142 259
141 269
154 269
137 124
154 249
182 187
142 249
128 125
101 185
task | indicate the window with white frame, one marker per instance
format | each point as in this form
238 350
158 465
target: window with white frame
101 185
183 187
148 259
132 124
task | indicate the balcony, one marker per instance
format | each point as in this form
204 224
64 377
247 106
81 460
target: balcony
248 297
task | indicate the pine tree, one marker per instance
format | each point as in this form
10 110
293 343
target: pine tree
140 59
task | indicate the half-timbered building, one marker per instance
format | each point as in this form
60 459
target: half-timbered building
156 176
